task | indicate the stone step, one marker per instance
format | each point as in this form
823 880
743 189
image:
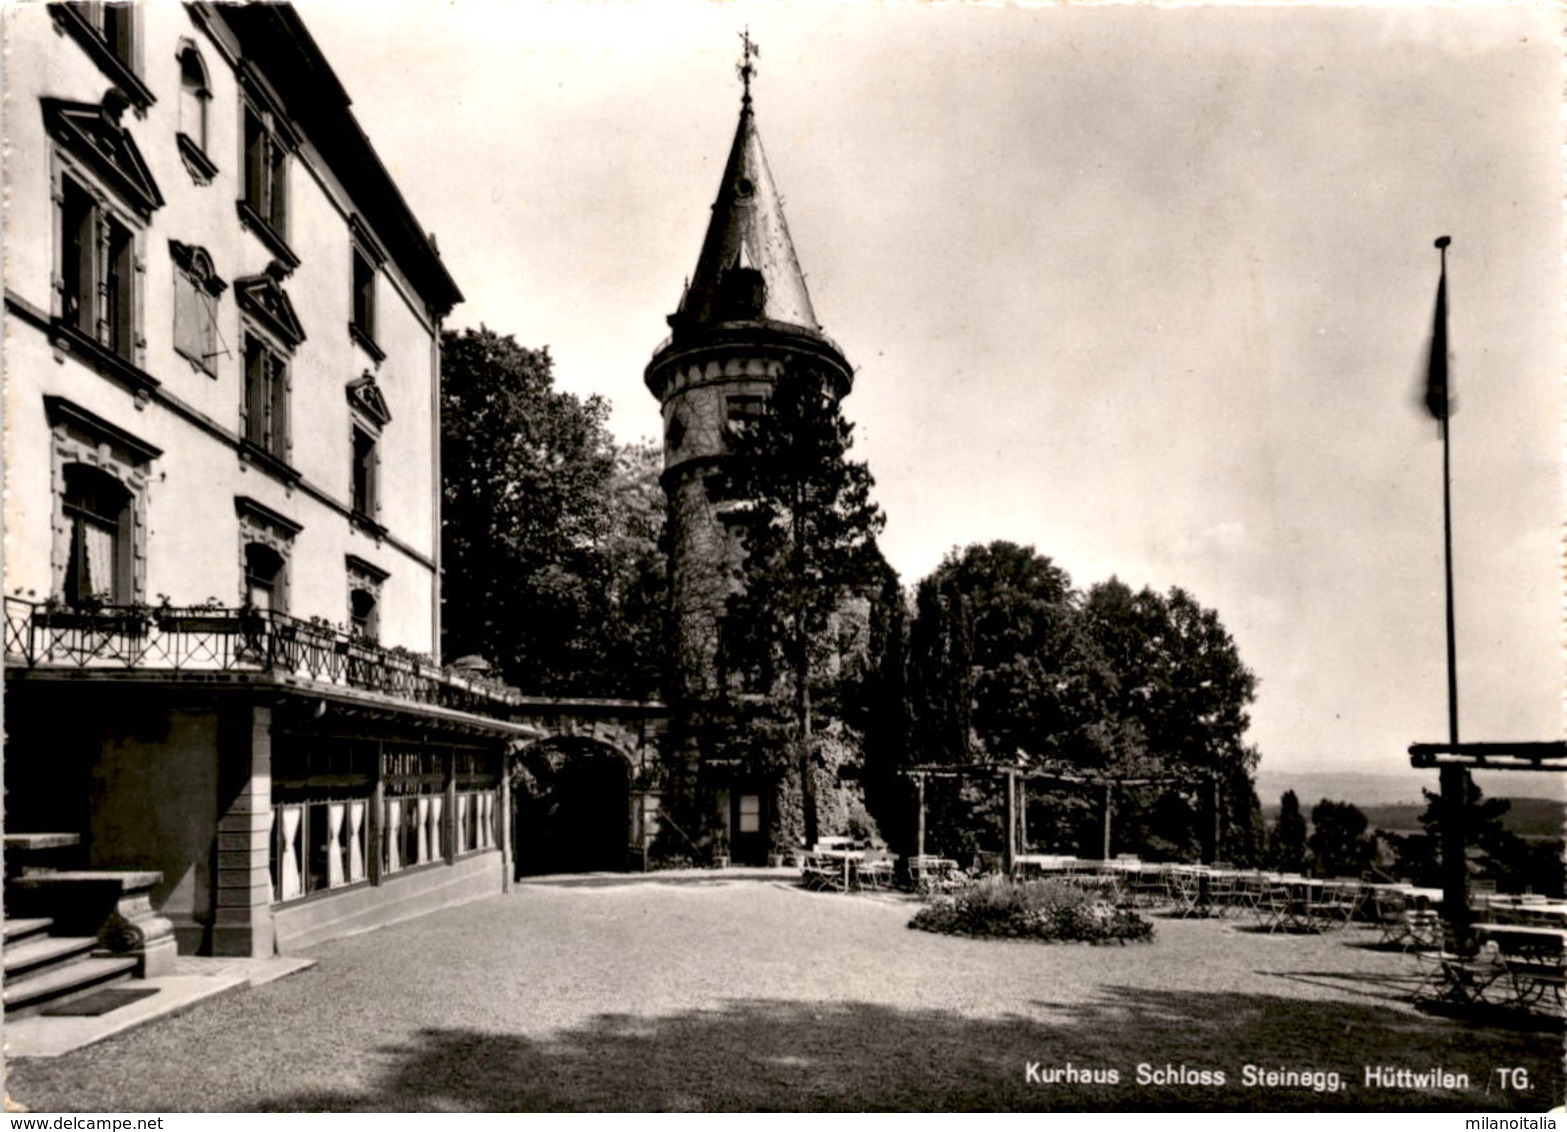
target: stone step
112 905
40 951
54 983
33 842
19 929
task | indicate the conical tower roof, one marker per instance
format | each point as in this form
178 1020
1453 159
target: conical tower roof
747 270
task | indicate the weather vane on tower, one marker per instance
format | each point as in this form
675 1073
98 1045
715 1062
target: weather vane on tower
745 67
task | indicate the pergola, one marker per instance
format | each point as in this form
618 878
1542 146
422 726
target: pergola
1453 761
1017 778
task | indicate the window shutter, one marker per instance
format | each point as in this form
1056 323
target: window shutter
255 162
283 387
120 290
81 288
278 177
375 480
250 405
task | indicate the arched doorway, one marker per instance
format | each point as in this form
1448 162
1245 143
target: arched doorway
572 808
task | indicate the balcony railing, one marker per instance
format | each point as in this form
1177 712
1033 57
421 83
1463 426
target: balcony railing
246 639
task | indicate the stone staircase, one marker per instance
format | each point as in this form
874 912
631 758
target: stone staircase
43 970
72 932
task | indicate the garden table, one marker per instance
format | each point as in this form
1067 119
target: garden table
846 859
1533 957
1544 913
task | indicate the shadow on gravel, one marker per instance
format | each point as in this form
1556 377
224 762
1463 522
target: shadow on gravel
773 1055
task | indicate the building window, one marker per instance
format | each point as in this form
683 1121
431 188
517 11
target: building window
266 172
101 475
195 96
104 197
263 577
114 25
98 271
108 34
322 789
370 414
750 813
266 541
196 291
364 295
363 619
97 509
195 106
366 473
265 409
364 597
744 408
415 828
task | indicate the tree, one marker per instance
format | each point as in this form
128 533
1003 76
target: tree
995 677
1007 614
1287 840
1009 662
1339 843
1482 817
940 677
1507 858
550 534
809 529
634 633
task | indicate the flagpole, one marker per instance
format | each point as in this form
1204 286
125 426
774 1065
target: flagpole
1454 778
1447 514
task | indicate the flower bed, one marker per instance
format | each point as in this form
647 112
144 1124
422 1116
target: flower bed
1034 909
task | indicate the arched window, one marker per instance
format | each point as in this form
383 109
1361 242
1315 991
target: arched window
97 510
195 96
264 578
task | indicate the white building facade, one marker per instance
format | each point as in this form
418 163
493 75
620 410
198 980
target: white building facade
222 525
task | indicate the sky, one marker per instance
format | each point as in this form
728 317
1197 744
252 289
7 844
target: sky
1149 289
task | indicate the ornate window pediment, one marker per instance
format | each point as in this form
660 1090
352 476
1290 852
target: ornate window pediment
365 396
263 298
94 136
195 262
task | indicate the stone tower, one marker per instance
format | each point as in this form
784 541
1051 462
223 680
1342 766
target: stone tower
744 320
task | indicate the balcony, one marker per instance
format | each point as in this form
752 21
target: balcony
207 639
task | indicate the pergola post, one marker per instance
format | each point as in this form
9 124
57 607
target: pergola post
1218 818
1022 814
1455 867
919 835
1108 810
1009 843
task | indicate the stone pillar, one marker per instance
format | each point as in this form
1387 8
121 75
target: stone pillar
242 918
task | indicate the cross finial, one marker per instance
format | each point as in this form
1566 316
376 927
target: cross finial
745 67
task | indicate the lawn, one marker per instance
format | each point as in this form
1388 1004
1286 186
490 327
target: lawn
696 993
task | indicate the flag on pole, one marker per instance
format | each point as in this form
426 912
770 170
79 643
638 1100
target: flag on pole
1438 400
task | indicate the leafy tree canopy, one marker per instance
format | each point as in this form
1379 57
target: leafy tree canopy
1287 839
1009 661
1339 843
550 531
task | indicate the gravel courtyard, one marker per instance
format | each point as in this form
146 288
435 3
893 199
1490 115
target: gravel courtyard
699 992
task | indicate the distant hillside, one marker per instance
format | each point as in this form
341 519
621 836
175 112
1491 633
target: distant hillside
1401 789
1362 789
1529 817
1394 802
